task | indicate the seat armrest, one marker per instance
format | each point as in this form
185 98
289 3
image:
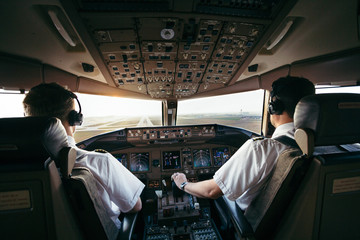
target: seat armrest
127 226
223 214
241 224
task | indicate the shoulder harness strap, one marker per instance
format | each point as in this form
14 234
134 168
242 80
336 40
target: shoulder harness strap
287 141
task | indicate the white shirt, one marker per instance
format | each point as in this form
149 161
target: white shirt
243 176
118 188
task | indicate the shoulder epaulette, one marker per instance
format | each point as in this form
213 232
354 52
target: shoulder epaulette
257 138
100 151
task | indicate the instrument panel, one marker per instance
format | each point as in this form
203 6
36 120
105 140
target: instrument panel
144 134
154 153
155 164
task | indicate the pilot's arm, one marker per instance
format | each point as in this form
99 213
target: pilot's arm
137 207
203 189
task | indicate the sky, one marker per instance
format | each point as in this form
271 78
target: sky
94 105
231 103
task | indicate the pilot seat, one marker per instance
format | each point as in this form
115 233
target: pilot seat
314 191
42 195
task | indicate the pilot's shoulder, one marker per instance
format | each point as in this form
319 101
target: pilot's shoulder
258 138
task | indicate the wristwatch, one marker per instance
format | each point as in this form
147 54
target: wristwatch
183 185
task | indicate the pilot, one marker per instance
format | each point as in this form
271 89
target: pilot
243 176
119 189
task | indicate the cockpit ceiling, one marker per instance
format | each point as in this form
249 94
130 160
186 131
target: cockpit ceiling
174 49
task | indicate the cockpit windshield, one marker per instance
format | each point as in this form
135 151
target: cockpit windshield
237 110
101 113
105 114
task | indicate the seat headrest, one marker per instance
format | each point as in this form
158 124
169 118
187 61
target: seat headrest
332 118
30 141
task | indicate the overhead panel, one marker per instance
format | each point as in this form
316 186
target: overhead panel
196 46
188 77
159 44
241 8
121 53
160 76
179 49
220 72
199 39
232 49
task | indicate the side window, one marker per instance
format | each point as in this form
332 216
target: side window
336 89
11 104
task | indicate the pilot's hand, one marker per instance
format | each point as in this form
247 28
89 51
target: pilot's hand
179 178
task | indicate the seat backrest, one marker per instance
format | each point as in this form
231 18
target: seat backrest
266 211
327 120
93 218
83 193
32 199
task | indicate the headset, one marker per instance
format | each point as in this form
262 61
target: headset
276 106
75 118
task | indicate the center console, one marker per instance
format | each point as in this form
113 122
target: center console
180 216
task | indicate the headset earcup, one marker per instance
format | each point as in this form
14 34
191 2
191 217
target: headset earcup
75 118
276 107
271 108
79 119
72 116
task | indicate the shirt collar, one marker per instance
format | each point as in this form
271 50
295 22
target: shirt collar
287 129
80 153
71 141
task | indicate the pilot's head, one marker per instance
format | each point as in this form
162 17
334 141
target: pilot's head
286 93
51 99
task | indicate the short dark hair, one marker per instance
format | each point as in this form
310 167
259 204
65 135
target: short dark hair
49 99
289 90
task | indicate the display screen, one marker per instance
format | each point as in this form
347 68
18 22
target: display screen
201 158
122 157
139 162
171 160
220 155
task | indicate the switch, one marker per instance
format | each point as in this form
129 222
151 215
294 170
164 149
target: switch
185 225
175 226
